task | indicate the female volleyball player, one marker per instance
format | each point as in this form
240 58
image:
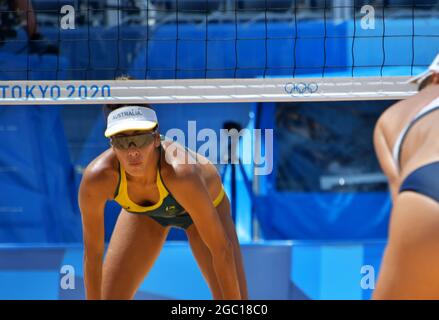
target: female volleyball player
156 192
407 145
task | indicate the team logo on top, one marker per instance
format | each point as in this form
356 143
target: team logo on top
170 209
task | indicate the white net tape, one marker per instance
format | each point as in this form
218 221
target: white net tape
204 90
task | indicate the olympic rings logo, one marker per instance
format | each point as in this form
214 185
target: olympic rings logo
301 88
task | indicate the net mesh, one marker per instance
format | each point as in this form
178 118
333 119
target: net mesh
188 43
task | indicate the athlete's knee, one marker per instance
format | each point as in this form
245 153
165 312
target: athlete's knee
113 288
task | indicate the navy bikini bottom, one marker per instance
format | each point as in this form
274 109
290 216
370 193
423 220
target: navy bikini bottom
424 180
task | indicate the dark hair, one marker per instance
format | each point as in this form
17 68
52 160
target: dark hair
107 108
425 83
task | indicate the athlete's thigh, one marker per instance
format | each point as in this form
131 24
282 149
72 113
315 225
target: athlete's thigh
411 260
134 246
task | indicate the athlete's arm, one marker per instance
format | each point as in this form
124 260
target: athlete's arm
190 191
385 158
92 201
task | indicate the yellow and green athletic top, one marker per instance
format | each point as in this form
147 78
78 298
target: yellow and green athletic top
167 211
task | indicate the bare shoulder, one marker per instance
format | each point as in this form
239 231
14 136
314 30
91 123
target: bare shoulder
398 115
102 174
387 118
183 168
393 120
178 169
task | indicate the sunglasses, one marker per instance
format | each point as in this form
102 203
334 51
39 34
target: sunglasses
139 140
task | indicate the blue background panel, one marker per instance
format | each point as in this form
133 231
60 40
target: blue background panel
275 270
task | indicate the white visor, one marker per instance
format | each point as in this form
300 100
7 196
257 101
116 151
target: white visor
130 118
433 68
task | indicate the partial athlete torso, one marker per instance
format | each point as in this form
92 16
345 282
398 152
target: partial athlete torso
155 199
420 145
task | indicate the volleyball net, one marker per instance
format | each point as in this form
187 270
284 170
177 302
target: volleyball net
62 52
214 50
